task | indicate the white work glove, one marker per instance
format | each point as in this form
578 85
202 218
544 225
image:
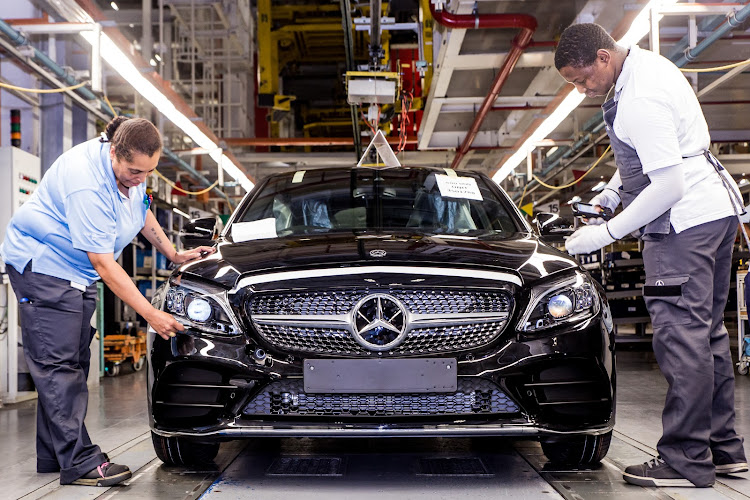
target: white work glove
607 199
587 239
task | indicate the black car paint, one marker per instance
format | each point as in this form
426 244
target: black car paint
513 254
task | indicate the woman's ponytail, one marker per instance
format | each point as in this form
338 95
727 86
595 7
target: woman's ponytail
112 126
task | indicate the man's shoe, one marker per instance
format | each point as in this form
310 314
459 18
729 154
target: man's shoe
726 464
106 474
655 472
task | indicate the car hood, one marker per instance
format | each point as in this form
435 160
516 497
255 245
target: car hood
521 254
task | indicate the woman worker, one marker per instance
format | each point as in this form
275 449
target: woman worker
89 205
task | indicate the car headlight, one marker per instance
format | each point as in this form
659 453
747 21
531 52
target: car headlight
199 309
559 302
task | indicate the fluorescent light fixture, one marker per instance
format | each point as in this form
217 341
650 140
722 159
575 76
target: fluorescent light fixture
551 150
117 59
180 212
553 120
638 29
601 185
574 199
114 6
157 57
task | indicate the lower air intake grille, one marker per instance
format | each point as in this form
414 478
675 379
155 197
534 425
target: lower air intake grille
474 396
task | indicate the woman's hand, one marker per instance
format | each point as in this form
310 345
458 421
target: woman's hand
194 253
164 324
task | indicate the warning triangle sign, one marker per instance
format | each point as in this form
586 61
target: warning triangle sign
528 209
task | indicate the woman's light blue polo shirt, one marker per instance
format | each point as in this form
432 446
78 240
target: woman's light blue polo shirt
76 209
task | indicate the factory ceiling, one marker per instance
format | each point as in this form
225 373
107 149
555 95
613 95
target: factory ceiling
269 79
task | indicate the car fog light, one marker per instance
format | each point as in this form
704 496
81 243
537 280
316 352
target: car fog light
560 306
199 310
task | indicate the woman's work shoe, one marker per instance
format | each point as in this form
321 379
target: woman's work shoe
106 474
655 472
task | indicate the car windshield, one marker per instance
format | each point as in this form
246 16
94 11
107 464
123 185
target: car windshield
365 199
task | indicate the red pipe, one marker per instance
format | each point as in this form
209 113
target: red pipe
525 22
472 21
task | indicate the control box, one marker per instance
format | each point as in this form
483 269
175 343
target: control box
20 175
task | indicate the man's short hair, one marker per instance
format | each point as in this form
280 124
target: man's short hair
578 45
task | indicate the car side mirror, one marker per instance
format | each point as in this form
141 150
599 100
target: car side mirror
552 227
199 232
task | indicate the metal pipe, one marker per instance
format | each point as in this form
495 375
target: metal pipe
193 172
527 25
346 24
19 40
596 123
733 20
375 46
302 141
476 21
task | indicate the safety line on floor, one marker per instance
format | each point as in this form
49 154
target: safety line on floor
719 485
55 486
129 444
143 470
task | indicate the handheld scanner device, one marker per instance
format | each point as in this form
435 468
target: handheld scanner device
590 211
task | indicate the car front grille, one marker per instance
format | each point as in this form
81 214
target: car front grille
474 396
322 322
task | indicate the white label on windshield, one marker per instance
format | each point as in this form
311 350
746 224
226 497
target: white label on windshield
298 176
255 230
458 187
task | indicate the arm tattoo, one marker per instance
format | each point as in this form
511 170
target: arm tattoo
158 239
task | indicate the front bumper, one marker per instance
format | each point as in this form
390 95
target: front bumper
264 429
562 383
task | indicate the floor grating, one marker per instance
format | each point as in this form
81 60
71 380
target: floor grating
453 467
306 466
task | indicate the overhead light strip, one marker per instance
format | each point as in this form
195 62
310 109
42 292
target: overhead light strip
638 29
122 64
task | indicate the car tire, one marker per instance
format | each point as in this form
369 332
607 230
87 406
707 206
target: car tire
181 451
577 450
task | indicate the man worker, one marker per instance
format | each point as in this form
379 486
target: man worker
684 210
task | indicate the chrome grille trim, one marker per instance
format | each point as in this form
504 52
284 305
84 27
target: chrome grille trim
323 322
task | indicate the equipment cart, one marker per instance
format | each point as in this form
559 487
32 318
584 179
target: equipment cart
743 337
120 348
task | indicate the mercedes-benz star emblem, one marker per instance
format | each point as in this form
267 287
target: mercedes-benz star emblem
379 322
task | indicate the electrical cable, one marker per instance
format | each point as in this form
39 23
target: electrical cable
577 180
106 99
42 91
169 182
372 129
406 101
718 68
194 193
520 202
684 70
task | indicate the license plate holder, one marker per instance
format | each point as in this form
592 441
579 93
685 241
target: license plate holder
379 376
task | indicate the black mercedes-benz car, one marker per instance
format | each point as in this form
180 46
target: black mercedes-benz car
382 302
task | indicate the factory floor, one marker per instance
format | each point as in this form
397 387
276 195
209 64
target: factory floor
362 468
